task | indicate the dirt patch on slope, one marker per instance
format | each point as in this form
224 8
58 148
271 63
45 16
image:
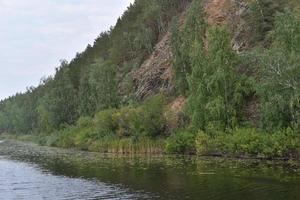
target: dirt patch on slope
217 11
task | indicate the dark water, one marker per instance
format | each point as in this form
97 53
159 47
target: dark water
79 175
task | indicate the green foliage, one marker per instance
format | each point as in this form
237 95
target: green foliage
150 117
123 130
104 86
112 144
249 142
279 87
139 28
217 91
183 43
98 88
146 120
89 104
182 142
89 83
261 19
105 123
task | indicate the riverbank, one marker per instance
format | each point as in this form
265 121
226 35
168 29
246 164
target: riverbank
142 145
28 146
23 149
242 143
162 176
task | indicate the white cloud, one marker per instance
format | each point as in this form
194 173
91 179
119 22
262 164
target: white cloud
35 35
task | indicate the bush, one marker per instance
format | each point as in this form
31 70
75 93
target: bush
105 123
84 122
202 143
182 142
145 120
116 129
126 120
150 119
66 137
249 142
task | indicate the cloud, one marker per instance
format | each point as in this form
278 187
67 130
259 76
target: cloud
35 35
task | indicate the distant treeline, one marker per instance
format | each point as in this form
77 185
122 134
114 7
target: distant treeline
89 83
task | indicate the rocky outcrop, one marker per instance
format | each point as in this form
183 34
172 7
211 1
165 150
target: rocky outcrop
155 74
230 13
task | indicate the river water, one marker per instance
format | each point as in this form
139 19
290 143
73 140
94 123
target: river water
37 173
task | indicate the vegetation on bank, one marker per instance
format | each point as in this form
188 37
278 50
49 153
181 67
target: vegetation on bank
89 103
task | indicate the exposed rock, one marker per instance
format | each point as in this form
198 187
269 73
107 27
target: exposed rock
229 12
178 104
155 74
217 11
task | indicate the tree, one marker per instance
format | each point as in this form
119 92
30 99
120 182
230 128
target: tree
261 19
280 82
183 41
104 85
216 88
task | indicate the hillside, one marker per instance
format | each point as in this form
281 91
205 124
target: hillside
207 76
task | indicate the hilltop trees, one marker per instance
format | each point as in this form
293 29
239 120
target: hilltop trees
90 82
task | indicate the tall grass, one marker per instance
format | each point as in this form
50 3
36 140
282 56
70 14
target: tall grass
144 145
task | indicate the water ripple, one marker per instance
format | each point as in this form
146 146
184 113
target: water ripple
24 181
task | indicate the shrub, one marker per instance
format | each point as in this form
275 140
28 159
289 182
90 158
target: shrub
150 119
145 120
84 122
202 143
182 142
126 120
246 141
105 123
66 137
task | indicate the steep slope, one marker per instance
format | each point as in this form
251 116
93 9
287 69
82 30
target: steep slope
155 74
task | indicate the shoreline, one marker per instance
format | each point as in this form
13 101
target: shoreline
17 148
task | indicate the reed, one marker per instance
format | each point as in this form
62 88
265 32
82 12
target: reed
128 146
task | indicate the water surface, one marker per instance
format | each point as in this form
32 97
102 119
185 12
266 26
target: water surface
31 172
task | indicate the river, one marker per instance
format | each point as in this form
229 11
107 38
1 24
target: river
28 171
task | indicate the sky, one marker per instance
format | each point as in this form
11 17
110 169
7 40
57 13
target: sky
36 34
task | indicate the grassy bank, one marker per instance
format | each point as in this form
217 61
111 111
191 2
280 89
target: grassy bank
243 142
146 129
246 143
106 145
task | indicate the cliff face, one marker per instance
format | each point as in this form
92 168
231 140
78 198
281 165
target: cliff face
156 75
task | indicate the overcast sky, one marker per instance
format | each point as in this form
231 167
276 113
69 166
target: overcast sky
36 34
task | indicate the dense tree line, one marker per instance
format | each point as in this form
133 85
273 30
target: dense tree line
207 69
86 103
90 82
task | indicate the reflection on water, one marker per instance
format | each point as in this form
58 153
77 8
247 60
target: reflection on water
65 174
25 181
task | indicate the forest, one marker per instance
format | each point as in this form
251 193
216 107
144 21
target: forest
236 78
